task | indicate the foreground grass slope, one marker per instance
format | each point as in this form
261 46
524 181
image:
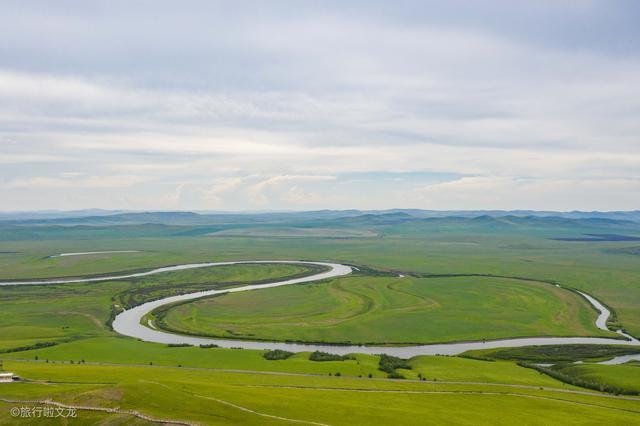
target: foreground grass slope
128 351
215 397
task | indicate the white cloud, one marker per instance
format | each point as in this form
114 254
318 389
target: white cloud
71 181
248 110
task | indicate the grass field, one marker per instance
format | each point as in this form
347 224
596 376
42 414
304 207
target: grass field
389 310
625 377
612 277
50 313
127 351
217 397
289 232
206 385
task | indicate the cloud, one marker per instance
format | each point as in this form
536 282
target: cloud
280 105
508 193
74 180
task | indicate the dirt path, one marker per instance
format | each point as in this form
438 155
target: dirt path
93 408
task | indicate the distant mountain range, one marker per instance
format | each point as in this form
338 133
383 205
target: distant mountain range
571 226
97 217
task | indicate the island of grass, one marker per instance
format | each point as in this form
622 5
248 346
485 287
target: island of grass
554 353
388 310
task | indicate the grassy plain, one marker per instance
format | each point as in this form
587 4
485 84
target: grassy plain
204 387
624 376
217 397
600 268
127 351
50 313
390 310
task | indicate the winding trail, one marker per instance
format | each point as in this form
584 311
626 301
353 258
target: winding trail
129 322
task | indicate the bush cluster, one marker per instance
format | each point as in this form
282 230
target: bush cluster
325 356
276 354
389 363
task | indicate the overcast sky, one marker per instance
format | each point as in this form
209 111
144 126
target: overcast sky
274 105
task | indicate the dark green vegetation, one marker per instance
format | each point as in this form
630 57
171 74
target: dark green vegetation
555 353
277 354
390 364
461 264
324 356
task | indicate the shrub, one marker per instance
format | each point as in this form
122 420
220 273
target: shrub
276 354
38 345
324 356
395 375
389 363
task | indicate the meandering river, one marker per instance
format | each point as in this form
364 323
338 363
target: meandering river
129 322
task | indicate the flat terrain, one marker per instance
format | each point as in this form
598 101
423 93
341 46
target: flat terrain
58 337
223 397
52 313
390 310
287 232
607 270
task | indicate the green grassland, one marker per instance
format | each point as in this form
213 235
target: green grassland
625 377
224 397
423 247
290 232
389 310
121 350
53 313
218 386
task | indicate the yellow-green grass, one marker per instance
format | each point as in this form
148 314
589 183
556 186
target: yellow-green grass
213 397
390 310
469 370
625 377
46 313
32 314
81 417
129 351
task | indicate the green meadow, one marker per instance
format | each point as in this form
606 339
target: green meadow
461 281
389 310
226 397
63 312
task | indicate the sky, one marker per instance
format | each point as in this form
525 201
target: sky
300 105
